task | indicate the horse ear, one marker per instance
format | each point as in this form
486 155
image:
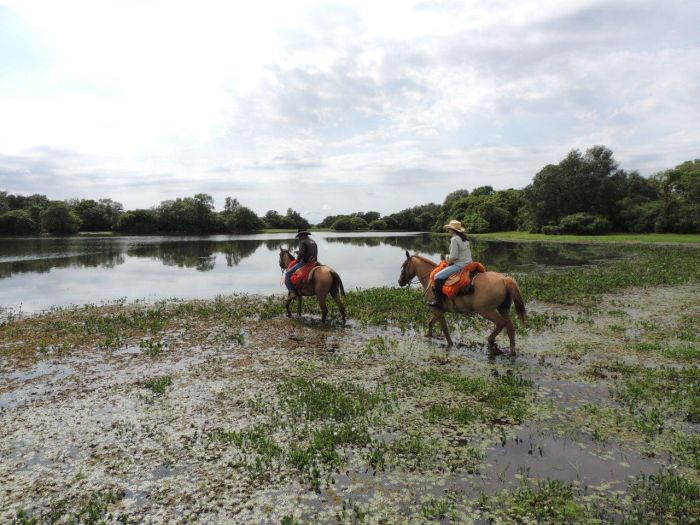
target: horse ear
408 255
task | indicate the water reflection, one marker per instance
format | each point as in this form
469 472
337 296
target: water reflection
42 272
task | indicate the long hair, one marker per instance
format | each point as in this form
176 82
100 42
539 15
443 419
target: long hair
461 235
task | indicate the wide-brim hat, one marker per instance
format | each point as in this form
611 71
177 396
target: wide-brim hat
454 225
302 232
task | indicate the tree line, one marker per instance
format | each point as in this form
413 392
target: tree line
585 193
26 215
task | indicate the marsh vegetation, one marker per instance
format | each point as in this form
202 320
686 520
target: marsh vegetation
220 410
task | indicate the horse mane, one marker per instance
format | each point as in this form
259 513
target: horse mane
424 259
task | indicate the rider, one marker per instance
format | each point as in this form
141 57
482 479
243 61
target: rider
460 255
307 251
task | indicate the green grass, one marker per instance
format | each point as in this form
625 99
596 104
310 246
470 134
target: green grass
650 266
672 238
159 385
89 510
436 509
503 399
313 400
660 392
664 498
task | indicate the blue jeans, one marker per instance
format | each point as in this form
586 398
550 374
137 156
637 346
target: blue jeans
442 275
288 275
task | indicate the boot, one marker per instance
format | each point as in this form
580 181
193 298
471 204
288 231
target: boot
439 296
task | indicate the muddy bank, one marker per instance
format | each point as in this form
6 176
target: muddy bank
221 411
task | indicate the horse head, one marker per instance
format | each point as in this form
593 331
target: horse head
285 258
408 271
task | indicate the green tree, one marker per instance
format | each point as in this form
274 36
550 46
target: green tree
59 219
243 220
17 222
591 183
97 216
298 221
138 221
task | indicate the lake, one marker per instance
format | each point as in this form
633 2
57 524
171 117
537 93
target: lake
37 273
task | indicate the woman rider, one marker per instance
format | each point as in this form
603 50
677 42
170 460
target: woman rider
460 255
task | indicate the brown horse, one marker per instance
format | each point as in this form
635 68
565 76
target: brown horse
492 296
322 280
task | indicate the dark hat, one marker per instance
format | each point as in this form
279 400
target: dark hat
302 232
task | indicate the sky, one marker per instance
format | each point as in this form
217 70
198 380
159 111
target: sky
336 107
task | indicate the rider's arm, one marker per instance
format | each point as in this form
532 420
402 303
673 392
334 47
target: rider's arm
301 254
454 251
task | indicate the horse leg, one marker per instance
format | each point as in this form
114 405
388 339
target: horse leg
510 328
322 304
289 300
498 320
445 331
299 305
431 323
339 304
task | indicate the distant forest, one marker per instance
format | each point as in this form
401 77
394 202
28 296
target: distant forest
583 194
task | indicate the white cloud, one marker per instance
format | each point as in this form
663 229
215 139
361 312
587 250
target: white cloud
336 106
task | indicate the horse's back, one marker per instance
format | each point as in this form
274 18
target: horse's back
489 292
320 280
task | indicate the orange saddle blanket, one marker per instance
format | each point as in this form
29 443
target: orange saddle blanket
458 280
300 277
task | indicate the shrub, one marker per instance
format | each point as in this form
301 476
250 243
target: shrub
585 224
17 222
58 218
475 223
344 224
378 225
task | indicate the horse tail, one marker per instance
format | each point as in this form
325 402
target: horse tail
337 284
513 293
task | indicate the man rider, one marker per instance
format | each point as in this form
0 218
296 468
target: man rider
308 251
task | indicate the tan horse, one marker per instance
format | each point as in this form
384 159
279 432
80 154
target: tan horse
492 296
322 280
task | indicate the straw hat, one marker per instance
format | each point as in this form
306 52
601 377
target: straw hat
454 225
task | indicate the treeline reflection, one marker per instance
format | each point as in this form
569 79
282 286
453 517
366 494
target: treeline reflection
199 254
42 255
497 255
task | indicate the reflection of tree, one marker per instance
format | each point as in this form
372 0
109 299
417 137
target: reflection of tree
496 255
197 254
276 244
236 251
506 256
41 255
423 243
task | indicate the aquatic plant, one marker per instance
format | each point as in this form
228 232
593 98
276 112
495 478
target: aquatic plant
159 385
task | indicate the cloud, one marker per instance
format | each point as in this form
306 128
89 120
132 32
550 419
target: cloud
329 106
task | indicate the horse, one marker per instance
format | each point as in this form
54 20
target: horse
322 280
492 297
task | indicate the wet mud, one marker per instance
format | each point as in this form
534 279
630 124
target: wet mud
223 419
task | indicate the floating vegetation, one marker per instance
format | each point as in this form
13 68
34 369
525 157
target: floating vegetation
224 410
158 386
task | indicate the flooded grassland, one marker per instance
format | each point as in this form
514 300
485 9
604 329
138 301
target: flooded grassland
224 411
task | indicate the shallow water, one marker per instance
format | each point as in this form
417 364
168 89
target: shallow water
37 273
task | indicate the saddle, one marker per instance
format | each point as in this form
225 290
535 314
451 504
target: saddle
300 277
459 283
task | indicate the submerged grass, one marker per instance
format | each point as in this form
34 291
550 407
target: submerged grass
501 399
88 510
643 238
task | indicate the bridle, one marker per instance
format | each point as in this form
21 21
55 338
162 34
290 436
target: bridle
413 280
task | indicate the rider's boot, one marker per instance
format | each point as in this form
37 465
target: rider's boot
437 302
